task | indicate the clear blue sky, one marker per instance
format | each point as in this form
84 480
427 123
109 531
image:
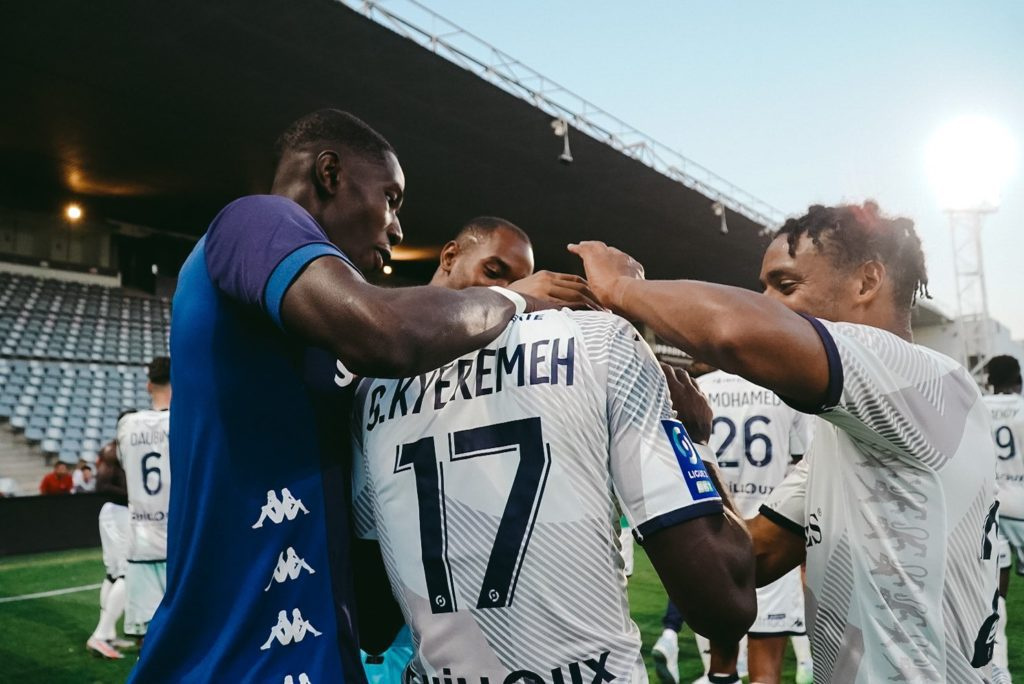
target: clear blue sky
797 102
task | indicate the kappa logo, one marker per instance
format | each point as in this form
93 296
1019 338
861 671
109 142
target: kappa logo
278 509
303 679
286 632
289 567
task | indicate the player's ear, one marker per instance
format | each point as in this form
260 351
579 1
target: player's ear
872 276
448 254
327 173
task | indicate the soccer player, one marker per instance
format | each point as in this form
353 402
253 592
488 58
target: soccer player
494 485
272 319
756 439
143 446
114 534
1006 406
893 507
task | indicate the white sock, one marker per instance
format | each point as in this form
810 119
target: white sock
105 591
704 648
670 633
801 648
1000 651
110 611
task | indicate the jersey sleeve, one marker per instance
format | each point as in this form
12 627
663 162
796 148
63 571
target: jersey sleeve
894 396
785 506
800 433
257 246
363 503
658 475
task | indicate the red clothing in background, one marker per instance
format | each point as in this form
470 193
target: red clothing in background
55 484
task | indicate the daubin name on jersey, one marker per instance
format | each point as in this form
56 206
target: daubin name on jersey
543 362
147 438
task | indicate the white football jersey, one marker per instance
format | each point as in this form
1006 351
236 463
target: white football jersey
1007 412
494 485
895 501
755 436
143 447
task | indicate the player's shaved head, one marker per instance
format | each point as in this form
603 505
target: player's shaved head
326 128
486 251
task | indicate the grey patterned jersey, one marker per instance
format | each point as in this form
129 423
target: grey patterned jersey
494 485
896 502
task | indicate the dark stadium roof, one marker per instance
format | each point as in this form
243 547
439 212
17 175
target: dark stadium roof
158 113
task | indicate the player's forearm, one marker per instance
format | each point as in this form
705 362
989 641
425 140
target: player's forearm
413 330
776 550
438 325
736 330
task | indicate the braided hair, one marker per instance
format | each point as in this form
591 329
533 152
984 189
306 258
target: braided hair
852 234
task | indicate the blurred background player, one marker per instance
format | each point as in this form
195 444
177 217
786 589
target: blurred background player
756 439
1007 408
515 460
903 453
114 534
143 446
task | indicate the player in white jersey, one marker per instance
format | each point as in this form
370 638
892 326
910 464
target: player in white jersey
1006 406
143 446
893 507
756 438
494 485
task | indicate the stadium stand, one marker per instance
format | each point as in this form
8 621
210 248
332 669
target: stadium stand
71 359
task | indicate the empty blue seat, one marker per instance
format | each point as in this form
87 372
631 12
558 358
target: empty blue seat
33 434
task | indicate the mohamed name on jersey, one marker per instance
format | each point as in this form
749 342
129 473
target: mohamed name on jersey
542 362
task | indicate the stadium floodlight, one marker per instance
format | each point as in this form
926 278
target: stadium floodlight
969 161
560 127
718 209
73 212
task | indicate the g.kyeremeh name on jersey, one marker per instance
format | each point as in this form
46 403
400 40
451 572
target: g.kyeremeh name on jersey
1007 412
515 461
754 436
142 445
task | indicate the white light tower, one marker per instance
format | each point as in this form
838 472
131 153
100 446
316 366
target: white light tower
969 160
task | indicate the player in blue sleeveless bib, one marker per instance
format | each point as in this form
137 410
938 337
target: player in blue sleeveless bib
270 315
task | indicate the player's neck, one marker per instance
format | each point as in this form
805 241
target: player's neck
161 400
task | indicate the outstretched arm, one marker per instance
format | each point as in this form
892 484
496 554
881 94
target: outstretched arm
739 331
381 332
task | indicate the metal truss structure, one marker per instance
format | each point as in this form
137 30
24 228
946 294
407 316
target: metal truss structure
971 294
409 19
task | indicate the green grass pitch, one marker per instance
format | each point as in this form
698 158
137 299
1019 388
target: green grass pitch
43 640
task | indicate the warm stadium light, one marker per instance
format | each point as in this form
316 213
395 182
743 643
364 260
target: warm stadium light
73 212
969 161
388 270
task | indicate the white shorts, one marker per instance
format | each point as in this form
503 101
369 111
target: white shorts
780 608
1011 538
114 531
145 584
